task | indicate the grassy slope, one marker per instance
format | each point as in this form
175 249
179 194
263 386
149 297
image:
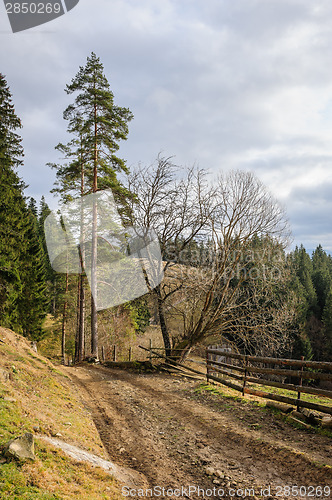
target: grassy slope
37 397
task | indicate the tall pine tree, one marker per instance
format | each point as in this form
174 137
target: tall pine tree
97 125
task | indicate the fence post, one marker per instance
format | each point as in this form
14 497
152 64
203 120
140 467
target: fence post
300 384
130 353
207 365
150 356
114 352
245 374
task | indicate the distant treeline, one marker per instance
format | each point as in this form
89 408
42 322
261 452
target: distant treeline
312 283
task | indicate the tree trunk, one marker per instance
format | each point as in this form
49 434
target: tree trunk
78 320
64 319
182 349
81 294
94 323
81 340
162 320
155 315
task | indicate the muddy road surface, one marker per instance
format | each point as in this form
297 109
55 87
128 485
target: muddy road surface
189 443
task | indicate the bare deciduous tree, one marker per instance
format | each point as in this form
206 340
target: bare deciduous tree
215 291
179 208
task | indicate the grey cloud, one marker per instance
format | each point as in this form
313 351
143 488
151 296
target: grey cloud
310 210
200 78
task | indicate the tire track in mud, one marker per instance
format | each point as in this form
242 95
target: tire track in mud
126 439
241 443
172 440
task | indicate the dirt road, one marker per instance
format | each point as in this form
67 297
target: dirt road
161 426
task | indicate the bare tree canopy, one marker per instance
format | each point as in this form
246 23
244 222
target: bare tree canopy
212 236
246 208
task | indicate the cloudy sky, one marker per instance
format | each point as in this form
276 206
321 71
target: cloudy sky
221 83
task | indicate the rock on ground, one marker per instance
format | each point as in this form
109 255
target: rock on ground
21 448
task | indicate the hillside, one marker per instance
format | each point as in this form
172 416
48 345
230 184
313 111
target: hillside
37 397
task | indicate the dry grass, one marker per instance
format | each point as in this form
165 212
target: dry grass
37 397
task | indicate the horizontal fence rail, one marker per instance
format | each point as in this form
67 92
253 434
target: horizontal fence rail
219 368
248 374
319 365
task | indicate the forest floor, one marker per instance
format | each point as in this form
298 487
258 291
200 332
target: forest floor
181 436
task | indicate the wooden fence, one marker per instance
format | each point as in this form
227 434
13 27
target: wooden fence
248 373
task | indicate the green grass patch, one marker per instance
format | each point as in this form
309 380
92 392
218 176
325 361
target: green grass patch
14 484
54 476
226 394
310 398
218 391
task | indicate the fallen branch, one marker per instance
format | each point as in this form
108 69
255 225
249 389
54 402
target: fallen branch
299 422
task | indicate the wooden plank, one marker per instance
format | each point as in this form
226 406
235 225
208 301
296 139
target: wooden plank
225 372
290 387
226 365
280 385
299 422
226 354
226 382
274 397
246 363
300 384
285 399
316 391
319 365
291 373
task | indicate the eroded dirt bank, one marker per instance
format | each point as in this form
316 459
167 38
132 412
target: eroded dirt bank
160 426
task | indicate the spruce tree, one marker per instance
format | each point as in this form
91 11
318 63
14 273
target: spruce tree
327 321
33 300
22 282
43 212
321 277
12 207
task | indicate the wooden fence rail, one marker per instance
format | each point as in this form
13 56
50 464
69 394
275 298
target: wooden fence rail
214 367
247 374
319 365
